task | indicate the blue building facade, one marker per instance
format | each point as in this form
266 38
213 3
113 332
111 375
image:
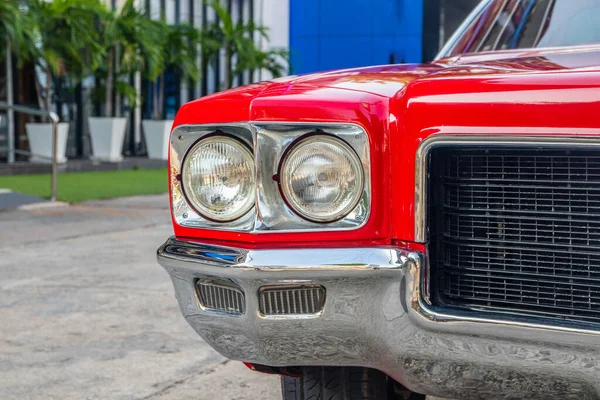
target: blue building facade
332 34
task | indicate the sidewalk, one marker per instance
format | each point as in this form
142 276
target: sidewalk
41 224
87 312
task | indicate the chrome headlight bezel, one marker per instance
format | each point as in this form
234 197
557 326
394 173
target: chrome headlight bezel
269 141
285 184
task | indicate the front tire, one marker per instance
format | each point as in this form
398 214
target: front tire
336 383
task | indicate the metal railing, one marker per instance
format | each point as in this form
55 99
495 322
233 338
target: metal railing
41 113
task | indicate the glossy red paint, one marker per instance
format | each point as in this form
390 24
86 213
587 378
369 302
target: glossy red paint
329 244
535 92
549 93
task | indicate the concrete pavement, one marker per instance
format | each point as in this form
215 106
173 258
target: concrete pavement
87 313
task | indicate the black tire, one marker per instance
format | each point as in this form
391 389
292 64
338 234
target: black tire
336 383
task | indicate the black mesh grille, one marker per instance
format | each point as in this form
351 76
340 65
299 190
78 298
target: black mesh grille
516 231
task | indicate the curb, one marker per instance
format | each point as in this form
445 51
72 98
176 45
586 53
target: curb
37 206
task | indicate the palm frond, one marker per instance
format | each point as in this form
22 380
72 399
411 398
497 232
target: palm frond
66 40
238 40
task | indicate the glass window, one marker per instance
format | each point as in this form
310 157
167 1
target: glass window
517 24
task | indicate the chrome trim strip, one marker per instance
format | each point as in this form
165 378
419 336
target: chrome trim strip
215 258
269 140
431 142
465 322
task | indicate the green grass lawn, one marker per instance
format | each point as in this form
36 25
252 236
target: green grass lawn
80 186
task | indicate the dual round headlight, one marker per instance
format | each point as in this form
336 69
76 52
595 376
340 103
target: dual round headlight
321 178
218 178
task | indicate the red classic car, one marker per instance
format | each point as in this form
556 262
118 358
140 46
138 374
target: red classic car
405 230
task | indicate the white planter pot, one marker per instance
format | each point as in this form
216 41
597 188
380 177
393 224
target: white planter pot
107 138
157 137
40 142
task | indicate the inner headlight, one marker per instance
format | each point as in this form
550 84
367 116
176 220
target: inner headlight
218 178
321 178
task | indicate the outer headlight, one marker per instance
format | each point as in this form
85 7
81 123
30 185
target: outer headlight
321 178
218 178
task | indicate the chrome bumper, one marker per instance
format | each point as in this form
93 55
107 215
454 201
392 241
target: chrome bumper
374 316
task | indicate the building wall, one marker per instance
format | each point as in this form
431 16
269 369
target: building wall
330 34
275 15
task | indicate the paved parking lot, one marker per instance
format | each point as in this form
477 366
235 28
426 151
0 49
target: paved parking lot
87 313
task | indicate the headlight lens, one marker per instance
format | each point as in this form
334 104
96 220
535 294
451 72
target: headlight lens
322 178
218 178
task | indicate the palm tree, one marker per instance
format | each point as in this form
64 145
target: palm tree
65 42
11 24
11 29
237 38
180 43
131 42
179 47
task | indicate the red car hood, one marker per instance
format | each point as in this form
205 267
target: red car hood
306 96
326 90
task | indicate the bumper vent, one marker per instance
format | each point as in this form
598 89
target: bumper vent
221 296
516 231
291 300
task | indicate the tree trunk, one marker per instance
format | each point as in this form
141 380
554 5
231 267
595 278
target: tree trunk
117 95
161 98
39 89
155 99
137 113
43 92
48 90
228 73
9 99
108 89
